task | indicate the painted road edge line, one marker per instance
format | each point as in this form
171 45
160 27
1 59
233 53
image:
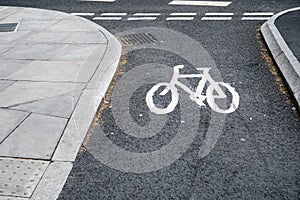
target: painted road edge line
201 3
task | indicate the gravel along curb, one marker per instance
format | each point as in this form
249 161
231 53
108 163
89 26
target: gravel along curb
284 57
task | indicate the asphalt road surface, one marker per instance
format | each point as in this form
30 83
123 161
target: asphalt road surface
192 149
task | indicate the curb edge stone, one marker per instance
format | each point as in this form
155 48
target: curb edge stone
284 57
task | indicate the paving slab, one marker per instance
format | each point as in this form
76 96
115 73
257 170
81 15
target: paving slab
5 83
36 137
22 92
51 182
37 51
51 71
50 106
76 52
10 120
19 177
8 67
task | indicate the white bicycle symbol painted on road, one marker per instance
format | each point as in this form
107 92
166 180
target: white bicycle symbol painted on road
213 92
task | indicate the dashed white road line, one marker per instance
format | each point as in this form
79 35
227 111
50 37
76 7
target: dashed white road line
107 18
188 16
83 14
141 18
200 3
259 13
219 14
255 18
179 18
217 18
113 14
183 14
110 1
146 14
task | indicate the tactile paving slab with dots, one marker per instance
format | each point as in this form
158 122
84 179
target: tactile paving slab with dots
19 177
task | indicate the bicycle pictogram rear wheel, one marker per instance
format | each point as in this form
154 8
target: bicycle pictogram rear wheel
151 94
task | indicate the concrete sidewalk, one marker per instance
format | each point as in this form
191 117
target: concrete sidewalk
54 71
282 35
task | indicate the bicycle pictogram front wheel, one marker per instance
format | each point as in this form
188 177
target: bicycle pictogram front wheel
212 98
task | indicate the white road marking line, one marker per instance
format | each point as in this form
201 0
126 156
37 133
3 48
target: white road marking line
99 0
83 14
201 3
259 14
113 14
179 18
219 14
216 18
107 18
255 18
183 14
141 18
146 14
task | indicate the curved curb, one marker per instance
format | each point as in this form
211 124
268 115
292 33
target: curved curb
81 119
104 59
284 57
